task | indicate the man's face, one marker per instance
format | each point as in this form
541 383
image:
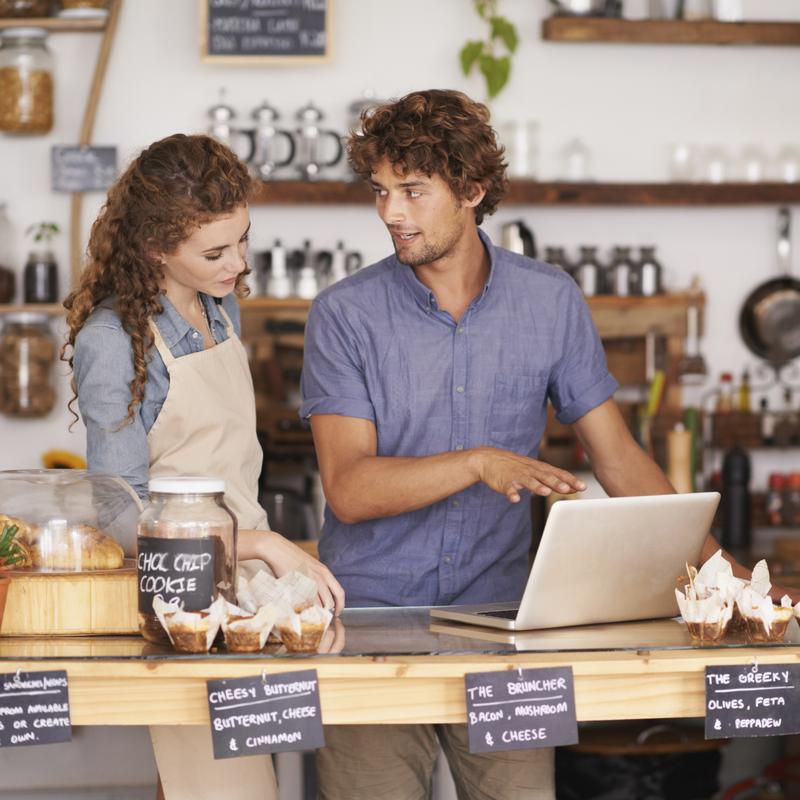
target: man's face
425 219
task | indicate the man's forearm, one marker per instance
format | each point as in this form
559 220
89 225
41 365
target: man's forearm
632 473
376 486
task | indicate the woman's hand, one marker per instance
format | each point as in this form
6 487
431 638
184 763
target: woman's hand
283 556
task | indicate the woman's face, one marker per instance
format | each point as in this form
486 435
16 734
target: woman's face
212 257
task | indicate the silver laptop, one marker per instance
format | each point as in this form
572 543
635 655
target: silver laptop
607 560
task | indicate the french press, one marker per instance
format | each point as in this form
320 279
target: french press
222 128
265 142
310 135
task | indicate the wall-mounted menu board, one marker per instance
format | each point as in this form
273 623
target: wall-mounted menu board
272 31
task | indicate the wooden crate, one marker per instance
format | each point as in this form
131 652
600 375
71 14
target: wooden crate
71 603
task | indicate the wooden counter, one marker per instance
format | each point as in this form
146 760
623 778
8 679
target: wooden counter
393 666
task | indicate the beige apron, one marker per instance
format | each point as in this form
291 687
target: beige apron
207 426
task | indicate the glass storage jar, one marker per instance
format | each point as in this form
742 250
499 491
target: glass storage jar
186 548
40 277
26 82
27 354
24 8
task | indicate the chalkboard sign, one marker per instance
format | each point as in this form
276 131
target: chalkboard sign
281 31
179 571
34 708
746 701
82 169
520 710
265 714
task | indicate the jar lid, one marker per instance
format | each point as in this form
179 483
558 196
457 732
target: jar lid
186 484
24 33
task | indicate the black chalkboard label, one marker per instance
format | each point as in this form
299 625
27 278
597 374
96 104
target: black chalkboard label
520 710
82 169
34 708
179 571
265 714
266 28
755 700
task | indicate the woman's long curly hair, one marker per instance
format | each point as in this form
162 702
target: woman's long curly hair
173 187
435 132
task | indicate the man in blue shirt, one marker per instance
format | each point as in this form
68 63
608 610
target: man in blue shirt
426 379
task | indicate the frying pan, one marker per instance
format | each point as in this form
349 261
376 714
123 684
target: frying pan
769 321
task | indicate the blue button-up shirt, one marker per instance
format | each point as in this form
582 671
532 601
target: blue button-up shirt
378 347
103 373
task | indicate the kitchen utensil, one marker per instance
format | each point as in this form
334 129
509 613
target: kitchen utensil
692 367
266 136
343 263
310 135
769 321
279 282
581 8
222 128
518 238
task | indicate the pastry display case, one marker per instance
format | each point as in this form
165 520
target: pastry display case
62 520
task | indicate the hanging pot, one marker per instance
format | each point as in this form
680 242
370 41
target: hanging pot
769 321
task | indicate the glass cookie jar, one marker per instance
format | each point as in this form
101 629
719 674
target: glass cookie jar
186 548
26 82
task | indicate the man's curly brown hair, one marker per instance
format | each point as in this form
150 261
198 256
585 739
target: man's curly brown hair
173 187
435 132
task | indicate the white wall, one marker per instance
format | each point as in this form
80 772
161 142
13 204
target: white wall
628 103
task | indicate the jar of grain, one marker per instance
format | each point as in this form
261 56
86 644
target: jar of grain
24 8
26 81
27 355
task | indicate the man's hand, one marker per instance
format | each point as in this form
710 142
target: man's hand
508 473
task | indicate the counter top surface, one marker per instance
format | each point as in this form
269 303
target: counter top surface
377 632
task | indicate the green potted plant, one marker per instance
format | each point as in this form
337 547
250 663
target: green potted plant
491 55
40 278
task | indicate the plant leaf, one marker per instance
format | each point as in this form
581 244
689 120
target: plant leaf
496 71
505 30
470 53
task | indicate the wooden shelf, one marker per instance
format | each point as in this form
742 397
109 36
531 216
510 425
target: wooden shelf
54 309
530 192
55 25
668 31
273 303
312 193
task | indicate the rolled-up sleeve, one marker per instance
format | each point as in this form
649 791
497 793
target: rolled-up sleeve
333 379
103 370
580 381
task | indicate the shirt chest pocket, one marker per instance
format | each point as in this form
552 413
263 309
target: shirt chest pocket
517 412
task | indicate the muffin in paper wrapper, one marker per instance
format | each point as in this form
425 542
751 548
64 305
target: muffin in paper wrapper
190 631
248 633
763 620
707 618
303 632
302 590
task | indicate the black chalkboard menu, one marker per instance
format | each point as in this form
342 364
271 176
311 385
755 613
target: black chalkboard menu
752 700
520 709
81 168
34 708
265 30
265 714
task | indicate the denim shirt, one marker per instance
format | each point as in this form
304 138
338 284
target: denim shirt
377 347
103 369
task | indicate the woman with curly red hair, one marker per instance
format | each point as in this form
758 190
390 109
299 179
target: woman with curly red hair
161 378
